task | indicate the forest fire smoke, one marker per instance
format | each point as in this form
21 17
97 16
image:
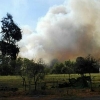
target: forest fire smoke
65 32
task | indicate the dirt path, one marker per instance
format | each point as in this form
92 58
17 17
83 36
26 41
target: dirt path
50 98
89 98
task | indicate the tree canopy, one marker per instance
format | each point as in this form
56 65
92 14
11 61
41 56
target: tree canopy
10 35
86 65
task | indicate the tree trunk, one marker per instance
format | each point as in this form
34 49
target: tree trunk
23 81
91 88
29 85
69 76
35 85
82 75
25 84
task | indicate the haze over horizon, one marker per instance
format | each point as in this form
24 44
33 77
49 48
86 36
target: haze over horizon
65 30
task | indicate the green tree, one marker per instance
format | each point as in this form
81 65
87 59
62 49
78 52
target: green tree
10 35
33 71
80 66
38 71
5 68
68 68
47 69
57 68
87 65
92 65
19 62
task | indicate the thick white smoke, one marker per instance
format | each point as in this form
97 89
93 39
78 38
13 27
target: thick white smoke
65 32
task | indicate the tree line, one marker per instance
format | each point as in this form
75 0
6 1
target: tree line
81 66
32 70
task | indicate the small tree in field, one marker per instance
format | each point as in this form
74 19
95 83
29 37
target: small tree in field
87 65
69 67
57 68
21 70
37 72
33 71
80 66
92 65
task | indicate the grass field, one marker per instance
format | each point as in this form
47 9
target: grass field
16 81
95 77
50 80
12 81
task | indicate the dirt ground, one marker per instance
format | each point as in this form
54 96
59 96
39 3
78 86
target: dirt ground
51 98
36 98
84 94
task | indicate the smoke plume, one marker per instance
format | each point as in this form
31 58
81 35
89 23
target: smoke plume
65 32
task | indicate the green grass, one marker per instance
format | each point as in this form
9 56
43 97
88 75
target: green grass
16 81
51 80
11 81
64 77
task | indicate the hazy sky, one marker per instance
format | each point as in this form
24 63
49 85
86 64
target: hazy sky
27 12
62 29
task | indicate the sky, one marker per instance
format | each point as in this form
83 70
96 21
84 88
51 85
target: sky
27 12
56 29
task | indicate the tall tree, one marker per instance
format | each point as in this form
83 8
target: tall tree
92 66
10 35
87 65
80 66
